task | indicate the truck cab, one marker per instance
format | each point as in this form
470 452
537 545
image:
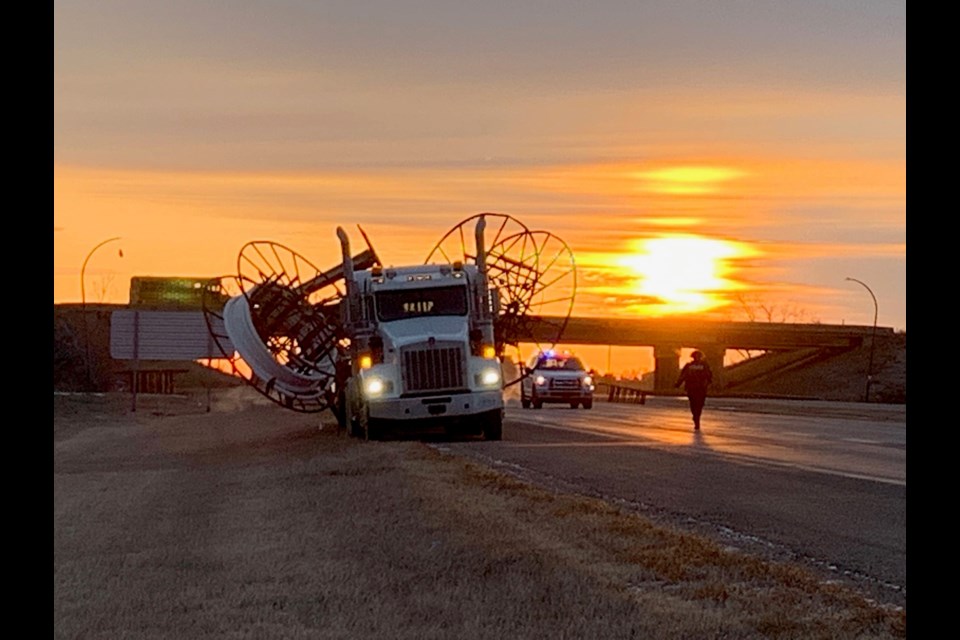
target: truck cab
422 351
421 362
557 377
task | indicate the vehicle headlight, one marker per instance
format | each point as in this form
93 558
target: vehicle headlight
489 377
540 380
374 386
587 381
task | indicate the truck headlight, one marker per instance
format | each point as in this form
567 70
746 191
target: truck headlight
489 377
374 386
540 380
588 381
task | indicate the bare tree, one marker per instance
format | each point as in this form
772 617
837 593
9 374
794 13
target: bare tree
101 286
756 309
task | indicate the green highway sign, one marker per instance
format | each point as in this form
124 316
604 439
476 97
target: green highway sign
147 292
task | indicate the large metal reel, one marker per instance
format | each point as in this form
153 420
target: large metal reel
535 275
280 327
458 243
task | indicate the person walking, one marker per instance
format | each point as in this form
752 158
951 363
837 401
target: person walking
696 376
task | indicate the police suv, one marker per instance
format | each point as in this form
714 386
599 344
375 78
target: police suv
556 377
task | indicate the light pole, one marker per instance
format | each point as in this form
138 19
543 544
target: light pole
873 337
83 306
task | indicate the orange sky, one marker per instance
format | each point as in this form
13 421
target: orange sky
643 134
193 223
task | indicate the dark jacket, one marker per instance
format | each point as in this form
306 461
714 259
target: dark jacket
696 376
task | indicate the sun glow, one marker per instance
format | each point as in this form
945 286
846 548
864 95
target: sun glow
687 180
684 274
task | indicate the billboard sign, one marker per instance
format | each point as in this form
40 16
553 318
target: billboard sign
165 335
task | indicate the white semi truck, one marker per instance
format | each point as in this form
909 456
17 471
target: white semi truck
421 348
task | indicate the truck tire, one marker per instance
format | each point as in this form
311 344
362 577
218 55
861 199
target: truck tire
338 408
354 412
574 405
361 424
493 425
374 429
588 404
355 428
537 404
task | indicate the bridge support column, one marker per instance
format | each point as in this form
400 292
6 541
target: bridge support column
714 355
667 367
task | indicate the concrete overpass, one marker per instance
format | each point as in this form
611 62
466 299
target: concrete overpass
668 336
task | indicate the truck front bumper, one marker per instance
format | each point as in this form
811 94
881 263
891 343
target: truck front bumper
456 405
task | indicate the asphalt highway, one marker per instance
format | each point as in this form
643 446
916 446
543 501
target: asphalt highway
821 483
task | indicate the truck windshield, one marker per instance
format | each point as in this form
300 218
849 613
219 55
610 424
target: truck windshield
415 303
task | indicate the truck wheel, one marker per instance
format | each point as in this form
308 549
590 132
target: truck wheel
537 404
588 404
574 405
374 429
363 424
355 426
352 414
493 426
337 407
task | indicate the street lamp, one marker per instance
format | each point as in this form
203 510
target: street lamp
83 306
873 337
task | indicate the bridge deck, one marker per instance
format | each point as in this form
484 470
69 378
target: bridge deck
689 333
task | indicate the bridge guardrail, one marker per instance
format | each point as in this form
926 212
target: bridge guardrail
622 391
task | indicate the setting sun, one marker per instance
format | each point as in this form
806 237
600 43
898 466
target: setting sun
685 274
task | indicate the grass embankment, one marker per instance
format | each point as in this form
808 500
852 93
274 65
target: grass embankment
249 522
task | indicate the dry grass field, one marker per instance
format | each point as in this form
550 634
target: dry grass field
253 522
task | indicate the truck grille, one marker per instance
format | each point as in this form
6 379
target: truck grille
565 384
437 368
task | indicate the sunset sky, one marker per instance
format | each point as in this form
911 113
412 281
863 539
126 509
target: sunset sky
717 157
